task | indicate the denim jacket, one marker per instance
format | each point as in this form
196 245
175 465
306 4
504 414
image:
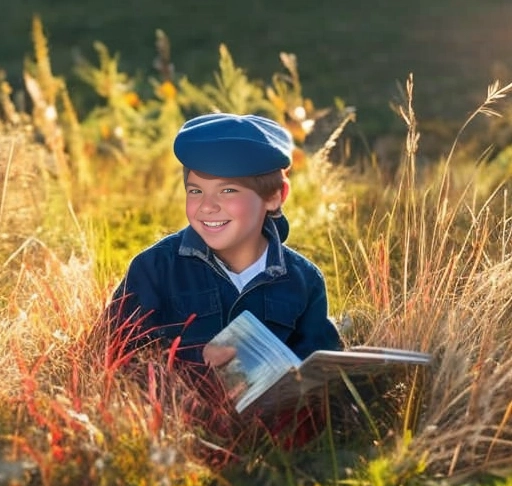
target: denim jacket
178 277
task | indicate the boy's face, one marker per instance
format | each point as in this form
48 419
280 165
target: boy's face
229 217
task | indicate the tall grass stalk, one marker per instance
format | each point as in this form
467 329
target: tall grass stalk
6 179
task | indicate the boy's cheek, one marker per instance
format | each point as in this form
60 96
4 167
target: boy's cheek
190 211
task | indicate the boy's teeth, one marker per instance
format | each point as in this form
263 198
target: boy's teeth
214 224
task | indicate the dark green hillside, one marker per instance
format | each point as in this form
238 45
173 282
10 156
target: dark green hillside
355 50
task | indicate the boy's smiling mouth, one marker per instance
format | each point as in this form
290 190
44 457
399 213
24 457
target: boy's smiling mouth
214 224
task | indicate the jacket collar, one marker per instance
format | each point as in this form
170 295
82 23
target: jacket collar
192 245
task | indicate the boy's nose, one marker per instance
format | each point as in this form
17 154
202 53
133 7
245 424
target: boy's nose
209 204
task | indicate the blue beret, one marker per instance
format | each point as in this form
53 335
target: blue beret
226 145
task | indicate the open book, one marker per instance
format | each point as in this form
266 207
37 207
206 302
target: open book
266 375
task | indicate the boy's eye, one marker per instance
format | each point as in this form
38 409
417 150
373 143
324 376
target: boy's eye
194 191
229 189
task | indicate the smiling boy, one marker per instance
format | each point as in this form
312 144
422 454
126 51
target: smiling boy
229 217
232 255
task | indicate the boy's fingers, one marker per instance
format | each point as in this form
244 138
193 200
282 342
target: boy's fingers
218 355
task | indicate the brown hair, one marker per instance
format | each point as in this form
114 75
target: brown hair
265 185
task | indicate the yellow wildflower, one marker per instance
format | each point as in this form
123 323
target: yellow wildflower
132 99
167 91
298 159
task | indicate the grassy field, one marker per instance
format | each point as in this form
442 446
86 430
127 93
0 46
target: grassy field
417 258
423 263
354 50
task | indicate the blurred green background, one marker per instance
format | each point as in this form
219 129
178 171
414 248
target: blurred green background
356 50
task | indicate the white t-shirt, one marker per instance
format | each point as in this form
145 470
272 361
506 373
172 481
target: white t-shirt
240 280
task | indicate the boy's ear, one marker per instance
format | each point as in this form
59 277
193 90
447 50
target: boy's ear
285 190
279 197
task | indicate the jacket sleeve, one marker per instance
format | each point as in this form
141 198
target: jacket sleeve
314 330
136 304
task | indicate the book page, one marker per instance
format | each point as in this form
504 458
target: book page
261 359
393 351
324 367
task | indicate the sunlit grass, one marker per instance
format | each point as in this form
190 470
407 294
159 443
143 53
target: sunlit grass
421 263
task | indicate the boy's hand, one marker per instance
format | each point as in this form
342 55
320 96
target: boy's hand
218 355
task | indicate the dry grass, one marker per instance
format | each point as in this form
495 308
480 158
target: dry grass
22 191
436 277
